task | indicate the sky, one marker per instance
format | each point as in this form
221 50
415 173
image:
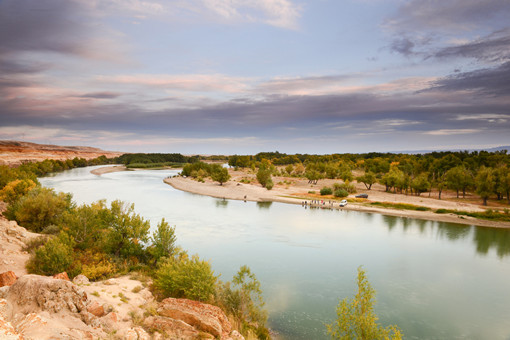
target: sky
245 76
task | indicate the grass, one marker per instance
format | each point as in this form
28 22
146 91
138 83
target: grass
399 206
488 214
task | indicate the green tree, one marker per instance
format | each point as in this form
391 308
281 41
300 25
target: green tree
264 176
220 175
163 241
459 178
484 182
127 231
356 318
420 184
39 208
368 179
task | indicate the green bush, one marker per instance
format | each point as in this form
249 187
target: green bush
269 184
350 188
54 257
184 277
163 241
341 193
39 208
326 191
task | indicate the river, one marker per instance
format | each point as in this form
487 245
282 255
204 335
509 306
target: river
434 280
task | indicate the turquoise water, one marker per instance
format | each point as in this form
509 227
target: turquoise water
434 280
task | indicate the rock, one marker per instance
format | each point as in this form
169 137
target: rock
235 335
7 278
81 280
202 316
7 331
142 334
174 329
111 282
3 291
32 293
5 309
109 321
30 321
96 309
89 318
61 276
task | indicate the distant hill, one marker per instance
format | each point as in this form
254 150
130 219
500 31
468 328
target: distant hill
16 152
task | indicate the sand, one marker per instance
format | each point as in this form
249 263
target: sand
108 169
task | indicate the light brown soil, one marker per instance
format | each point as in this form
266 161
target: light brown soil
14 153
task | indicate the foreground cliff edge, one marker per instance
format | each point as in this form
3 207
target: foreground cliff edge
41 307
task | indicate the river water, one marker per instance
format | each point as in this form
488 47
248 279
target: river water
434 280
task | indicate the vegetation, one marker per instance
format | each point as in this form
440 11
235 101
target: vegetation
356 318
201 170
101 241
485 173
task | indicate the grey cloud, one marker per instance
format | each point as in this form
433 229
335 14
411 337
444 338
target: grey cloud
43 25
493 48
101 95
403 46
490 81
461 15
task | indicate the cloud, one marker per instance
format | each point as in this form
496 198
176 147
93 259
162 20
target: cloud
488 81
448 15
279 13
493 48
100 95
447 132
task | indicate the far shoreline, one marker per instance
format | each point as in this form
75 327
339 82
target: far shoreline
248 192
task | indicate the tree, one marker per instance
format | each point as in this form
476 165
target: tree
420 184
368 179
356 319
484 183
16 189
220 175
127 231
163 241
264 176
39 208
459 178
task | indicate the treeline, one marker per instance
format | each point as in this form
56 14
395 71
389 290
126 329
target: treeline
100 241
149 160
485 173
201 170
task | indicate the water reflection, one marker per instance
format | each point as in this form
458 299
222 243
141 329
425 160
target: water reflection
487 238
484 239
222 203
264 205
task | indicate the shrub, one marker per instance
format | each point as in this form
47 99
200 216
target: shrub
269 184
96 265
54 257
39 208
184 277
341 193
326 191
350 188
16 189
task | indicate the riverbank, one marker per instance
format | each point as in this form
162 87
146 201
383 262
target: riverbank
296 193
108 169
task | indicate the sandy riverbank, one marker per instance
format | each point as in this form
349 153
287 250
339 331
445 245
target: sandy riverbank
108 169
282 193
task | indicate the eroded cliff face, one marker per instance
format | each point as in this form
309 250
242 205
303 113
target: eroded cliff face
14 153
41 307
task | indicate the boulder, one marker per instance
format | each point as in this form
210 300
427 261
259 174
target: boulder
32 293
109 321
61 276
96 309
136 333
202 316
81 280
174 329
7 278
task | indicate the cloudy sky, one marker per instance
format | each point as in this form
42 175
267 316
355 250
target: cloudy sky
243 76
